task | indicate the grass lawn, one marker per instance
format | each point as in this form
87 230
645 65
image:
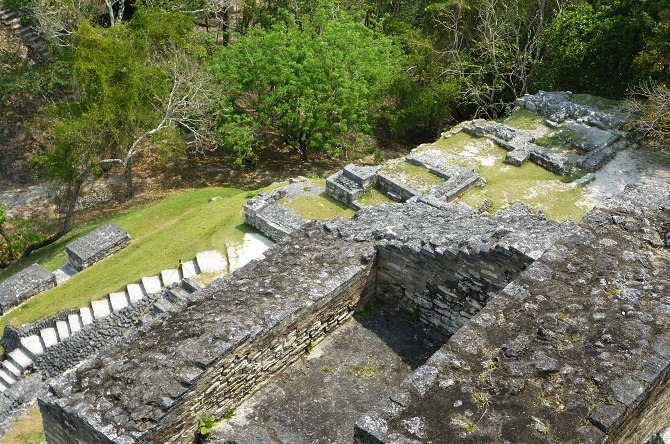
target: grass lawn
374 197
27 430
175 228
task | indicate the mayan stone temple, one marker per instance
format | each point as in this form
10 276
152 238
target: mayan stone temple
418 320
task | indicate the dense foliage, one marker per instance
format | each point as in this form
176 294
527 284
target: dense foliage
315 76
311 85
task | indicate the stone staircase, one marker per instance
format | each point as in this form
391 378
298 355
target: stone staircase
29 35
177 283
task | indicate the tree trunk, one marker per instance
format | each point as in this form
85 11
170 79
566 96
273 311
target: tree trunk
74 195
128 174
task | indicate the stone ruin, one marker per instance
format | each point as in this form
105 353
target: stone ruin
557 330
95 246
592 137
24 285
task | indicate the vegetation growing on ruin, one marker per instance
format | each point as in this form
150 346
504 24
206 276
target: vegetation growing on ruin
27 430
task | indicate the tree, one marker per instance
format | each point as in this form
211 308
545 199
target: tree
603 46
309 84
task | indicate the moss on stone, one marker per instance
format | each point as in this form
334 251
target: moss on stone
524 119
415 177
319 207
373 197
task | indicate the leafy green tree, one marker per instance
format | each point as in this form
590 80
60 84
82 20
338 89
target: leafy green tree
309 84
603 47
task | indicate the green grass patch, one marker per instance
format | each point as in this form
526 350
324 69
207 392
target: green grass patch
413 176
529 183
506 184
369 309
561 139
373 197
597 102
175 228
321 207
27 430
524 119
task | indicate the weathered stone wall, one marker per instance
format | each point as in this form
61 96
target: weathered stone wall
446 287
231 337
274 220
96 245
397 188
23 285
575 349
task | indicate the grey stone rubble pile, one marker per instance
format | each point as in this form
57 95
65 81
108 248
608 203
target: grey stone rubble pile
23 285
270 217
12 19
96 245
28 343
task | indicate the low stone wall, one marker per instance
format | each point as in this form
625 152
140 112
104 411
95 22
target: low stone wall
23 285
269 217
96 245
397 188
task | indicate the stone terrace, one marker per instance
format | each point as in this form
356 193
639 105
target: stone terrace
253 323
574 350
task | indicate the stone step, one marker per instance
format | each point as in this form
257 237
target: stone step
7 377
74 321
189 269
175 294
11 368
135 293
7 14
118 300
160 306
49 337
4 386
101 308
21 359
63 330
12 21
33 344
191 285
151 285
170 277
27 31
86 316
15 26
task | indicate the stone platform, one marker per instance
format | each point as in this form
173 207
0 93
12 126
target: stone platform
95 246
24 285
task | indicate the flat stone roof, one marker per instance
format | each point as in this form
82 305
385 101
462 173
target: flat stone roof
96 245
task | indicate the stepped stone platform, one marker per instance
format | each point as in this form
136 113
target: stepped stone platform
24 285
95 246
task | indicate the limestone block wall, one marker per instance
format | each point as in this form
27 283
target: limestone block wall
24 285
95 246
446 287
274 220
398 188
